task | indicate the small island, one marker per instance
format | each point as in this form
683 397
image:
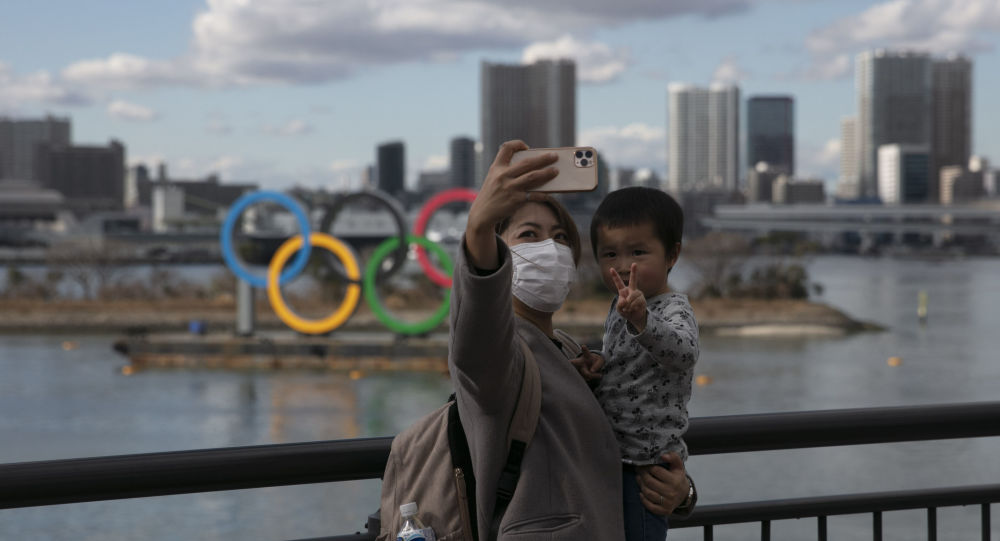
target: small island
129 316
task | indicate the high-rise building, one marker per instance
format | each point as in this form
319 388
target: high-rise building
687 140
894 107
903 173
789 191
960 185
91 178
462 164
951 120
391 167
760 183
431 182
137 184
623 177
535 103
703 142
771 133
19 140
847 185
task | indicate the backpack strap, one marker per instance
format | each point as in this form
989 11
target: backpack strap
571 345
522 428
461 459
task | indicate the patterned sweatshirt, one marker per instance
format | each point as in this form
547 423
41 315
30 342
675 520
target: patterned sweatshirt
646 381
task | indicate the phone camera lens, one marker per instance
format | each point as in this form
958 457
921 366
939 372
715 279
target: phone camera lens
579 154
584 162
589 154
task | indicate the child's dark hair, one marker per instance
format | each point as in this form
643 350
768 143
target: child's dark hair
637 205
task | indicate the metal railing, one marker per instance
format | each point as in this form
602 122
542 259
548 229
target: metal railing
54 482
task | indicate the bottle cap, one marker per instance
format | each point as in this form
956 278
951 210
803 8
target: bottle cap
408 509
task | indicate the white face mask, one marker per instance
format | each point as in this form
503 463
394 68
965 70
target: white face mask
543 273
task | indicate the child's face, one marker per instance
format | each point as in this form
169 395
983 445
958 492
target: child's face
619 247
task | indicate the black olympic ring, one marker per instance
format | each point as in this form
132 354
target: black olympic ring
398 255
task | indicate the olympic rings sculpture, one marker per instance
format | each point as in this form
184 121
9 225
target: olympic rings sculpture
339 254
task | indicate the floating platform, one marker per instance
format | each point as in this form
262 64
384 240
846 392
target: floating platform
343 352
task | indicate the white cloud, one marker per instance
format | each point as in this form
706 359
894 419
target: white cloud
127 71
936 26
253 42
130 111
595 62
729 72
343 175
337 166
227 166
819 161
38 87
240 42
635 145
291 128
437 162
830 155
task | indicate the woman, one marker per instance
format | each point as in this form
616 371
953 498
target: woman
570 484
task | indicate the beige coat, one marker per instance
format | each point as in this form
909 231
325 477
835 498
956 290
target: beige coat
570 486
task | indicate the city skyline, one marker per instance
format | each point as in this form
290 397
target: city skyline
284 109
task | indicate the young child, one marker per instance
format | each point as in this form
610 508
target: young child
650 339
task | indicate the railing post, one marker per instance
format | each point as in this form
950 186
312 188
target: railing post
932 524
765 530
821 528
877 526
708 533
986 522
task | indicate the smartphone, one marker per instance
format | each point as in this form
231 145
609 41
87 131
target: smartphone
577 168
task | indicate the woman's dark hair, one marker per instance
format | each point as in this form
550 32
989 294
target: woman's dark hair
564 219
637 205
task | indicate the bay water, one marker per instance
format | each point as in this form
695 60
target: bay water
64 396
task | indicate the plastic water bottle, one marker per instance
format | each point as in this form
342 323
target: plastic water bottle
413 529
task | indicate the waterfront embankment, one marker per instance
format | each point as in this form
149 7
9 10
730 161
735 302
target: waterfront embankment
586 317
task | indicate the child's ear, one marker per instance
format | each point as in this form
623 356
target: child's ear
672 258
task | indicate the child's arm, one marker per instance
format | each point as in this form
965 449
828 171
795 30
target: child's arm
670 336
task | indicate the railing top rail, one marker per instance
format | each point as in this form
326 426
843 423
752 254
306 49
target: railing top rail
156 474
841 504
855 426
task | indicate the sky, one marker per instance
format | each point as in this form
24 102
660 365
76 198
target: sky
300 92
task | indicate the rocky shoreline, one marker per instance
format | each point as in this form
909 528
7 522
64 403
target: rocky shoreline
746 317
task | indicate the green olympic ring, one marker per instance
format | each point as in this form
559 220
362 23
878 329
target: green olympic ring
371 295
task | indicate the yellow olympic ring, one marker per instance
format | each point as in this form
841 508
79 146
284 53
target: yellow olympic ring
349 303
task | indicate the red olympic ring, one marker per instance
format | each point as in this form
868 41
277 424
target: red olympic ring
433 204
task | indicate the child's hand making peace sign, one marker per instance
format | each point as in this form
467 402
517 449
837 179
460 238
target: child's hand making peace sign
631 302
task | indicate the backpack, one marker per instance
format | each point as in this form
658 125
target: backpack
429 463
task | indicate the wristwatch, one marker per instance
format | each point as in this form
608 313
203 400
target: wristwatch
687 506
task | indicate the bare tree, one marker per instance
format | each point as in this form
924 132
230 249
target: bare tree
92 264
720 259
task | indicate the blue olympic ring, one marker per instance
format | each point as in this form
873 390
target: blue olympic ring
226 242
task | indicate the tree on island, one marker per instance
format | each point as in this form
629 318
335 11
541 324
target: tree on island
722 260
